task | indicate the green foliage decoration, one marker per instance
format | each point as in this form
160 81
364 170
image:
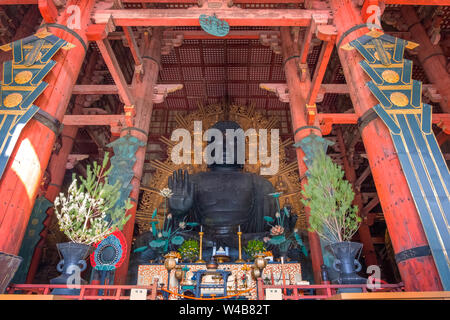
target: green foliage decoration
89 212
330 197
253 247
189 250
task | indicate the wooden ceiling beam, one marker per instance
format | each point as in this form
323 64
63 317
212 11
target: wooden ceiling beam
105 119
190 17
326 32
93 119
116 72
129 35
362 177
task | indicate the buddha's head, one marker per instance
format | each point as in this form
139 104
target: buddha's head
223 136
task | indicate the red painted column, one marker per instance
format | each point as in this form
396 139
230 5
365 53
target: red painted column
402 219
143 93
21 179
298 92
368 249
431 56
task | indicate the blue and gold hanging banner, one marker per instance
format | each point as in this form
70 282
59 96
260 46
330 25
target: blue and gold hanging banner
22 84
409 122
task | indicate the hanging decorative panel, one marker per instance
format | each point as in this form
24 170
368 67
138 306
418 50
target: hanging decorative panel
409 122
22 84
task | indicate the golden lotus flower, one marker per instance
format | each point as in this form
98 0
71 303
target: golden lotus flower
166 192
277 230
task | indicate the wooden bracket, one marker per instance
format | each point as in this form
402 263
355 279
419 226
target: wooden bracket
280 89
272 40
161 91
96 32
73 159
432 94
170 41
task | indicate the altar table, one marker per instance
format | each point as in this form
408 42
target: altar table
273 272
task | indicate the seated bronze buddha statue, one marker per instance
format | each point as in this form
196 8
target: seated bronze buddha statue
220 200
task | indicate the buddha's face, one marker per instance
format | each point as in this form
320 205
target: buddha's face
228 144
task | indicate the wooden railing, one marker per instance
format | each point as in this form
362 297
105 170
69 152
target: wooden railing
320 291
87 292
122 292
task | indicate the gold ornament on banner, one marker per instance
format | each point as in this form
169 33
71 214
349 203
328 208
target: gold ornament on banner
23 77
399 99
12 100
390 76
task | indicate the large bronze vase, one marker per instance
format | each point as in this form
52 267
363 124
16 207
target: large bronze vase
72 264
346 264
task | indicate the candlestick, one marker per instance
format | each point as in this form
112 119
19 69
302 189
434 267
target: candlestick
200 260
239 228
201 228
239 233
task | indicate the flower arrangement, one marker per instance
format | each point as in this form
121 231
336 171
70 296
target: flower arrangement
164 236
175 254
254 247
189 250
280 234
330 198
268 253
90 212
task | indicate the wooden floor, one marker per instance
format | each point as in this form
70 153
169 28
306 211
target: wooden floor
431 295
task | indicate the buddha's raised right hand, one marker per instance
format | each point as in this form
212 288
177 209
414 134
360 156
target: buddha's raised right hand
183 192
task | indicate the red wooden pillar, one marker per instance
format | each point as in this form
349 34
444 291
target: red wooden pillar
402 219
21 179
431 57
143 93
368 249
298 92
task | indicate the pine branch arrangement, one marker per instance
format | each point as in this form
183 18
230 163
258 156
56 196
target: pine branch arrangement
90 211
330 198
